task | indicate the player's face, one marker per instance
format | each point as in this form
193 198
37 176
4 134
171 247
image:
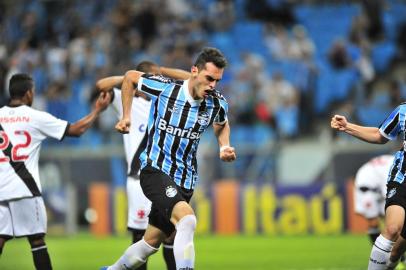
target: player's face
205 80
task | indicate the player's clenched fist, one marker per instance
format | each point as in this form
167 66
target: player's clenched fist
123 126
339 122
227 153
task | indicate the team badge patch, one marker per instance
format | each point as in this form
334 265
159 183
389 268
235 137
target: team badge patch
170 191
203 118
391 193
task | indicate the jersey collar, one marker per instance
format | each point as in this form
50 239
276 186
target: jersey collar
189 98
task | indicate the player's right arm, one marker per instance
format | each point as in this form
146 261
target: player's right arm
131 78
368 134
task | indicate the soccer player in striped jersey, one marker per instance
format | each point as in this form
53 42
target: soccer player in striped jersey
22 129
135 141
390 244
180 112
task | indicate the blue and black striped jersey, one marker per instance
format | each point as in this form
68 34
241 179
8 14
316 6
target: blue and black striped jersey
391 127
175 125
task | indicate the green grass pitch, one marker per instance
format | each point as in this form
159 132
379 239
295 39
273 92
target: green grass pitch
341 252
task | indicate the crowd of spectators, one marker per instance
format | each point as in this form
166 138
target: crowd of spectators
67 45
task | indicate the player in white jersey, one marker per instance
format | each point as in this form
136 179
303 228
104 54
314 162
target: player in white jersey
134 142
370 192
22 129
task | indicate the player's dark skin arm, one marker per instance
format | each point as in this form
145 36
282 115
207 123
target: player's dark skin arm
79 127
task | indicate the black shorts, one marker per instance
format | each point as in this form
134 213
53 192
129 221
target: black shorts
163 192
396 195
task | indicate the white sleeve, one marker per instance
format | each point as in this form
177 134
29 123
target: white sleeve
51 126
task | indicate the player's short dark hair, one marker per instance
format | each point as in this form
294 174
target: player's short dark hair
19 84
146 66
210 55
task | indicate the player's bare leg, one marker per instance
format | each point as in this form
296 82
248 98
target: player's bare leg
383 245
183 248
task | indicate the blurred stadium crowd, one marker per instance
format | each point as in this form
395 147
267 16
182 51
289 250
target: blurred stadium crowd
291 62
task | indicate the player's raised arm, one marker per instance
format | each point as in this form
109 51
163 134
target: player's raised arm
174 73
368 134
79 127
106 84
127 92
222 132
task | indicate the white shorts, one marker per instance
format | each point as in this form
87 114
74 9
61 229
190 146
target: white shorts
23 217
139 206
369 204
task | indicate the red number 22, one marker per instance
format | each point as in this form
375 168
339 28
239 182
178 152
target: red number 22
5 141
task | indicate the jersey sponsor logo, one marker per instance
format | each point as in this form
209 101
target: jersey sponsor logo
14 119
170 191
203 118
179 132
391 193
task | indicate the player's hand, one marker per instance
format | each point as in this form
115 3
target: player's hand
102 101
227 153
123 126
339 122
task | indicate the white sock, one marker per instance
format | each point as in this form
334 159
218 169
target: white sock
134 256
183 248
380 253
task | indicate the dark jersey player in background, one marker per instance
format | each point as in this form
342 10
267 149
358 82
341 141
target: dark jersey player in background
181 111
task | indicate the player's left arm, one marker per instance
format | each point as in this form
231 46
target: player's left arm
222 132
